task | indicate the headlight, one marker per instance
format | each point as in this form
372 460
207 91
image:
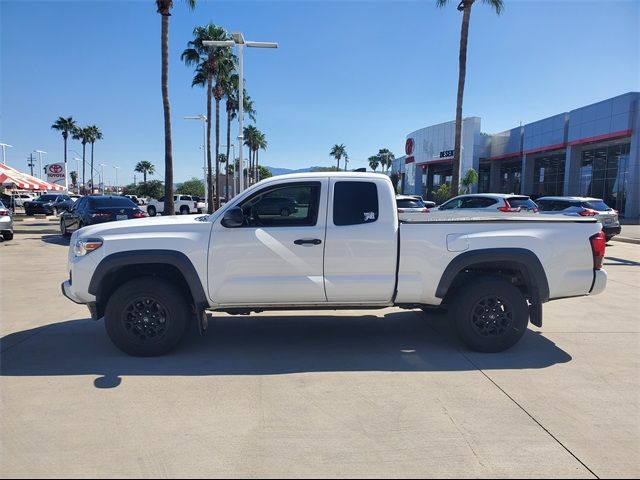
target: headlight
86 245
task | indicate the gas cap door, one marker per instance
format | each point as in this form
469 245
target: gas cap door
457 242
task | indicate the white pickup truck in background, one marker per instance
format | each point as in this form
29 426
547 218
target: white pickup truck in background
341 247
183 204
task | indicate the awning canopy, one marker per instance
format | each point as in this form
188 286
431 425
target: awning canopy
12 178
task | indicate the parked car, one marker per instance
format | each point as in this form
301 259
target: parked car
490 202
183 204
344 249
411 207
49 204
19 199
583 207
92 209
6 223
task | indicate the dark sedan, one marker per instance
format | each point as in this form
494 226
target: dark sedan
49 204
98 209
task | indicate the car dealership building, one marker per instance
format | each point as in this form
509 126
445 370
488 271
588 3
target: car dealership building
590 151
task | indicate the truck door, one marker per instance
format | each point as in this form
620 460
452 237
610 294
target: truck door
276 257
361 244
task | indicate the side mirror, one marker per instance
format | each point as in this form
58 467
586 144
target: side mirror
233 218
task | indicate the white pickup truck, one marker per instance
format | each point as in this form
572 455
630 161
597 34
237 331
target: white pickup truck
328 241
183 204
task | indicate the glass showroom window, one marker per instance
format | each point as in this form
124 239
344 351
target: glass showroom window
603 174
548 174
484 177
510 176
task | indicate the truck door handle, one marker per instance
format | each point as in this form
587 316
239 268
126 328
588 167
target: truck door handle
313 241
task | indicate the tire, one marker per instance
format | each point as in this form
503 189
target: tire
163 333
285 212
184 210
151 211
7 236
608 238
489 314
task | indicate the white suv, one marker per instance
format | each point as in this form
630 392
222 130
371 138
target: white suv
184 204
489 202
583 207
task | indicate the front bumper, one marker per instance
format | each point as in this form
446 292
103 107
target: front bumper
6 224
599 282
68 292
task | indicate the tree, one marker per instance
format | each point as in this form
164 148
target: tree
163 7
151 189
193 187
386 158
84 135
465 7
253 139
74 177
213 67
470 178
337 152
145 167
395 179
374 162
264 172
442 193
65 126
94 135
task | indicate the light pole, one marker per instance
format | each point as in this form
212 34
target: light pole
77 159
102 165
239 41
116 169
203 119
4 146
40 153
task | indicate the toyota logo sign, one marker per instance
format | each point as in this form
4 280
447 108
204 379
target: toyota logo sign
55 168
408 147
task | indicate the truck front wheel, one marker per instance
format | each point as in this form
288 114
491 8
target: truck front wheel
147 316
489 314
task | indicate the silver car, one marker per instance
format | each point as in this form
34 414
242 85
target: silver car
6 223
583 207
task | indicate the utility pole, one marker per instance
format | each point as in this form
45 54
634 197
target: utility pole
31 163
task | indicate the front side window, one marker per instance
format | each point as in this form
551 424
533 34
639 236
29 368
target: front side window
355 203
292 205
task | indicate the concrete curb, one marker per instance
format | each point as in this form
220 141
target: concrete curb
626 240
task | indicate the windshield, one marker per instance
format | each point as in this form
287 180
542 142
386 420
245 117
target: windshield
410 203
598 205
48 198
523 202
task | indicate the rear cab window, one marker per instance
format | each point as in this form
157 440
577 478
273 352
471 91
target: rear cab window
355 203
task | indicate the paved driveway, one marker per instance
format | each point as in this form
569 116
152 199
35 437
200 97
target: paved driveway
360 394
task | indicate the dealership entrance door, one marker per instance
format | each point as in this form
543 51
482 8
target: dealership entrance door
435 175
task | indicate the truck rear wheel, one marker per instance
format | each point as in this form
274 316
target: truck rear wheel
147 317
489 314
151 211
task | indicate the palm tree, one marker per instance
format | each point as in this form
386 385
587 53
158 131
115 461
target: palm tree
164 9
145 167
374 162
386 158
251 139
66 126
84 135
211 64
337 152
94 135
465 7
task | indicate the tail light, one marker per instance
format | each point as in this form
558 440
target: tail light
587 212
616 212
425 210
139 214
401 210
508 208
3 212
598 246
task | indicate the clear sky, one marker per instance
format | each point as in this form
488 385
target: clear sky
362 73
